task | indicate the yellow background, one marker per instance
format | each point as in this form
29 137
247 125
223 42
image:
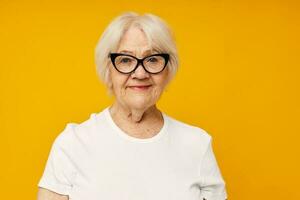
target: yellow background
238 80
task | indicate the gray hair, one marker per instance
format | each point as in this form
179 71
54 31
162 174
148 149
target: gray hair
156 30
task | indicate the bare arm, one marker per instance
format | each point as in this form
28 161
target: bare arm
44 194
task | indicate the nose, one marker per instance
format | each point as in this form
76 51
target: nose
140 73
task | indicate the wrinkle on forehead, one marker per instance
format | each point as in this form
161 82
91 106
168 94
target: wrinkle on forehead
135 42
143 53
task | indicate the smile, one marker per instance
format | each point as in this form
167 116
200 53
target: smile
140 87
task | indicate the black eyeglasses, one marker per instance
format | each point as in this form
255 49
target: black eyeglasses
152 64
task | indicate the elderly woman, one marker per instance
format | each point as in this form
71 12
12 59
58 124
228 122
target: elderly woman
131 150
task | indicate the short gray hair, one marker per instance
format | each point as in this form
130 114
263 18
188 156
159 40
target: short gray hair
156 30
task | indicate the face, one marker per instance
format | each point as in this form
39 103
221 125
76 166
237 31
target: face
138 90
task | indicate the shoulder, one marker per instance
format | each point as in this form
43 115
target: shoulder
188 129
188 133
78 133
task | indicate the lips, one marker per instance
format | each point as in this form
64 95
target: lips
140 87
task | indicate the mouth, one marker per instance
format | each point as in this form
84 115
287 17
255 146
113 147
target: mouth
140 87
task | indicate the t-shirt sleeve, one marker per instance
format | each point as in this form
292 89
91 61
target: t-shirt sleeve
59 173
212 186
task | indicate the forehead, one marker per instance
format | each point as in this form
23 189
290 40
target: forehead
134 40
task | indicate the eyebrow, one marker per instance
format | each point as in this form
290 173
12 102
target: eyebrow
131 53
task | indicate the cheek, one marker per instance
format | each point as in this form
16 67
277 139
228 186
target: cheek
159 88
158 91
118 83
161 82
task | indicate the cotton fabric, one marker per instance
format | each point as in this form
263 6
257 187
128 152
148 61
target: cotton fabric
96 160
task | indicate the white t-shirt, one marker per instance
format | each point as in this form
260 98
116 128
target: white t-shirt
96 160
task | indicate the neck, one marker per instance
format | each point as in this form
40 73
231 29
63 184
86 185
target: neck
133 115
140 123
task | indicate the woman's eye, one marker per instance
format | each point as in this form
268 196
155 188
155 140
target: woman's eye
152 60
125 60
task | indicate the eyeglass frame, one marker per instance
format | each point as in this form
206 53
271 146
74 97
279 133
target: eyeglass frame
139 61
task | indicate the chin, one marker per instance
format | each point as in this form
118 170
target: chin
140 104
